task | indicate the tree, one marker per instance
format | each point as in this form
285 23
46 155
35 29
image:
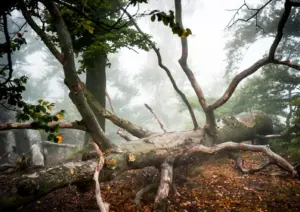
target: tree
165 150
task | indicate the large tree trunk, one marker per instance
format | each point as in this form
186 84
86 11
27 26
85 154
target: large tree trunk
96 82
149 151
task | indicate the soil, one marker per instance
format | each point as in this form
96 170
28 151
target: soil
213 185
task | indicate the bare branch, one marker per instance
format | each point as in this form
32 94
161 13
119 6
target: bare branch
100 24
255 15
103 206
59 145
281 24
26 125
260 63
168 72
239 166
120 130
287 63
156 117
277 159
184 56
124 124
47 41
236 80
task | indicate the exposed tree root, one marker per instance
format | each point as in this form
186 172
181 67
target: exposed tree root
103 206
140 193
276 159
165 185
239 166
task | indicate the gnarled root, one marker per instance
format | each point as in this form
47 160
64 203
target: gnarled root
165 185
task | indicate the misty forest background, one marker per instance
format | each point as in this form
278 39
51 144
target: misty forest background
134 78
123 73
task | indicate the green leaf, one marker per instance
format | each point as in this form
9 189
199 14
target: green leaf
153 18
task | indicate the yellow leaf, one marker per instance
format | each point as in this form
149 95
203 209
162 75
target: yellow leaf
49 107
90 29
60 138
72 171
58 116
131 157
186 33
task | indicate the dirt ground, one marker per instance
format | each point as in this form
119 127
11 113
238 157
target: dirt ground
215 185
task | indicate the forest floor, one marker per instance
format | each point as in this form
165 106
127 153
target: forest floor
213 185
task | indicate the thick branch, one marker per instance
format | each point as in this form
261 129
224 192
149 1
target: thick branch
260 63
8 52
124 124
281 24
66 125
168 72
236 80
184 56
287 63
40 32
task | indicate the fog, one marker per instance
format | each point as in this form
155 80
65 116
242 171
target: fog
139 72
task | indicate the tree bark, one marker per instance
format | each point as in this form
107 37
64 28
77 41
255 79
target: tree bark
150 151
96 82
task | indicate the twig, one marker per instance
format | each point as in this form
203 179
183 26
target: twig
156 117
168 72
103 206
248 19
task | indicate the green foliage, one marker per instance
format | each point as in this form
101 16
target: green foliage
40 116
169 20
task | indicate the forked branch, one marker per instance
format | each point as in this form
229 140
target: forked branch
168 72
260 63
184 56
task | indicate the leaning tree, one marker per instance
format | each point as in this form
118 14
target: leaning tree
163 150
